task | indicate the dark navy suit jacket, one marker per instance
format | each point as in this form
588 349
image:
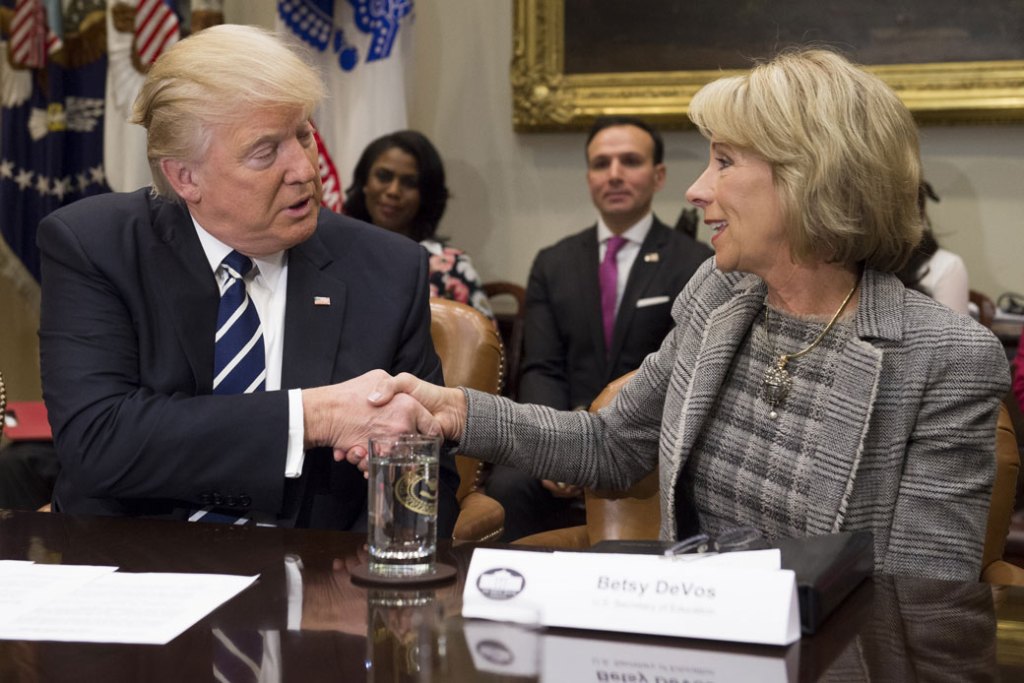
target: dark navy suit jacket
129 306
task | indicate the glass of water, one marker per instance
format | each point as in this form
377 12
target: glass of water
403 504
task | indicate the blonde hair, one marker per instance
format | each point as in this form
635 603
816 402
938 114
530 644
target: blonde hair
843 148
219 75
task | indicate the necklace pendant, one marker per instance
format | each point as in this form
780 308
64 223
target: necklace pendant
777 384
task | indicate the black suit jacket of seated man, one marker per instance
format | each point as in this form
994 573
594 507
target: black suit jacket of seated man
565 364
126 344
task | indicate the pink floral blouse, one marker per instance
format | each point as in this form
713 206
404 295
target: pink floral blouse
452 276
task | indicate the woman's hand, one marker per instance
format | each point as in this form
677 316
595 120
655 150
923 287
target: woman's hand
560 489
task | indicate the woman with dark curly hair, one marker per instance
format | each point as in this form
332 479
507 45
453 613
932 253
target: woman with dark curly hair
399 185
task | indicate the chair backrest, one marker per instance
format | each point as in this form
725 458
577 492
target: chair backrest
471 356
634 514
1004 489
986 309
469 347
511 324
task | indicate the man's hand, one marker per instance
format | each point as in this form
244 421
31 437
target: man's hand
341 416
561 490
447 405
330 601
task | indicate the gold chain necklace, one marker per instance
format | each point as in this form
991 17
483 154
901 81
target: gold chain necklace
777 380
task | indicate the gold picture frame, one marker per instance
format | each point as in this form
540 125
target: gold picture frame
544 97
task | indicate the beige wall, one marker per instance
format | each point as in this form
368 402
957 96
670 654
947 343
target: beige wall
19 320
515 193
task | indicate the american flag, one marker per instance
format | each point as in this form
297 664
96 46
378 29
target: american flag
156 29
329 179
30 37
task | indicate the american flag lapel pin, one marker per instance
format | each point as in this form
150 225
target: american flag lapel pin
651 257
321 301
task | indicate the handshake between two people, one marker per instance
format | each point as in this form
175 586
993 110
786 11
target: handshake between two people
344 416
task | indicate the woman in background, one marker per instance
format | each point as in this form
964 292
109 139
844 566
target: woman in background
399 185
935 271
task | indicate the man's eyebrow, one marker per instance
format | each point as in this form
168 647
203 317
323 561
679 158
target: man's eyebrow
259 141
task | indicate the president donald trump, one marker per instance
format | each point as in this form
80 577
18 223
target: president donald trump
208 342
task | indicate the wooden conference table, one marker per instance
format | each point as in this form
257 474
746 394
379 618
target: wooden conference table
888 630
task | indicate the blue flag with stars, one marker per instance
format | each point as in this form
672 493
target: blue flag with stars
51 116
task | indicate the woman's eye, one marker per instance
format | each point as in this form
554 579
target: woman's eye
383 176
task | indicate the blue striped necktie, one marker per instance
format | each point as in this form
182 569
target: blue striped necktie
239 361
237 656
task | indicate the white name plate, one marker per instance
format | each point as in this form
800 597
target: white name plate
740 597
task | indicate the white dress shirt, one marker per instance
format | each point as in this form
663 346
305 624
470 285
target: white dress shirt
267 284
946 280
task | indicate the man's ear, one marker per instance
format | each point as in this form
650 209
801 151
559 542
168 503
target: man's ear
181 176
660 173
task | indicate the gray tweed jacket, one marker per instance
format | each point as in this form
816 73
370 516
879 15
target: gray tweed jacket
910 425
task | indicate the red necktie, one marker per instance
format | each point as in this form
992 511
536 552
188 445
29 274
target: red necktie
608 277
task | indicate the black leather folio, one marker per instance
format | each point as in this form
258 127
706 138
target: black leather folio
827 569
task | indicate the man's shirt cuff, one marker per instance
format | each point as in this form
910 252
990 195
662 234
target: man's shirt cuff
296 434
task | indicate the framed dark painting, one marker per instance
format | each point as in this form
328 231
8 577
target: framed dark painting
573 60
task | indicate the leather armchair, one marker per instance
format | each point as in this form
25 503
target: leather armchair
511 326
633 514
471 356
995 569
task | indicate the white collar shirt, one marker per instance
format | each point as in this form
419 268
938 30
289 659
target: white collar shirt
267 285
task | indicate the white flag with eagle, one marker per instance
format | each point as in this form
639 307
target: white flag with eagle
364 48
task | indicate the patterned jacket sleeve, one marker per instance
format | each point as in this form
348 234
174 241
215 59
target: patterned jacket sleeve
610 449
941 512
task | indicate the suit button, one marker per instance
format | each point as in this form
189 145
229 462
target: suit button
217 500
245 501
204 498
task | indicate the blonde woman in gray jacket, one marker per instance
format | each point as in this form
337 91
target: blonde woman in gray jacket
803 390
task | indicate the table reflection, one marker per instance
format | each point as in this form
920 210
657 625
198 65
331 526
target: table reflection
923 630
323 627
892 629
405 641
